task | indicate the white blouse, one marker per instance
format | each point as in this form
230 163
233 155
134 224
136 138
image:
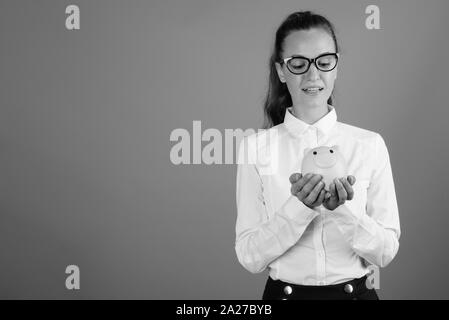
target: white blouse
317 246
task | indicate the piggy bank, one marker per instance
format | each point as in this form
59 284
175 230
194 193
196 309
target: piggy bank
326 161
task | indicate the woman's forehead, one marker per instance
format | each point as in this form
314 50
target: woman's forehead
308 43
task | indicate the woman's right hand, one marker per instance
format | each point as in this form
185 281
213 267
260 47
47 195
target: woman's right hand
308 189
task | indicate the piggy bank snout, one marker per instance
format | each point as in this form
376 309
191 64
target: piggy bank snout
325 161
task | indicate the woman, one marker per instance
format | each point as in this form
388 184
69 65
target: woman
316 244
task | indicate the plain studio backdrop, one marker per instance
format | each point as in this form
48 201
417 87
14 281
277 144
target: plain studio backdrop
85 123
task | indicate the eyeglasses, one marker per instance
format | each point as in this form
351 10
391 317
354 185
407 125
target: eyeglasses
299 65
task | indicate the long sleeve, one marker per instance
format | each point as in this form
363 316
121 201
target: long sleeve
375 235
259 238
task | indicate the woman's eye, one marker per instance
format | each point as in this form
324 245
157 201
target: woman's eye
298 66
298 63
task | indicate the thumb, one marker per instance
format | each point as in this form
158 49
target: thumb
351 180
295 177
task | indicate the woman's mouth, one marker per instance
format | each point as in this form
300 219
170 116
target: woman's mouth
312 90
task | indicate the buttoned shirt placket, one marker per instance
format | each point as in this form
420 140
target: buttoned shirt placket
318 239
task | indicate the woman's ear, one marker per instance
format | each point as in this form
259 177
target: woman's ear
280 72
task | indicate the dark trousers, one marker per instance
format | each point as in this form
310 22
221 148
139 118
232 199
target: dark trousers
352 290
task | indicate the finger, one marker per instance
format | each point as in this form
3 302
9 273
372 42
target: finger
333 191
351 179
295 177
348 188
297 186
310 185
320 199
342 195
314 193
327 196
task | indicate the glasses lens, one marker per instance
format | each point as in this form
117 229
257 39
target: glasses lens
327 62
297 65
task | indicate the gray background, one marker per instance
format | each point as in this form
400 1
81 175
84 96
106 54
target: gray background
86 116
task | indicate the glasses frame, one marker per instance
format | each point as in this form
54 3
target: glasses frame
310 61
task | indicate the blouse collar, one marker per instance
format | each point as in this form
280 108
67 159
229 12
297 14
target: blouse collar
297 127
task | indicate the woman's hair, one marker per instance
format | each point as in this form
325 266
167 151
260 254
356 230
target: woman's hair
278 98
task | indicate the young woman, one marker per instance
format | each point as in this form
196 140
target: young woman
316 244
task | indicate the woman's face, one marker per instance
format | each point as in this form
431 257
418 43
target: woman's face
310 44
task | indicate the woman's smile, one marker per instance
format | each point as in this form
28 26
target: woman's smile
312 91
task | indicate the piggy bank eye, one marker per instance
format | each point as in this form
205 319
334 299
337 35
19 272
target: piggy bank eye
314 152
332 151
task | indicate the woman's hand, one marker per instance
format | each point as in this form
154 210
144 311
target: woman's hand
340 191
308 189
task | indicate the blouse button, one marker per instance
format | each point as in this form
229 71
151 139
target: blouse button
288 290
349 288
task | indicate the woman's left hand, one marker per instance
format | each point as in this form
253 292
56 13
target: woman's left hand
339 191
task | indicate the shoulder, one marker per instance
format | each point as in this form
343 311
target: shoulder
263 138
261 143
370 141
362 135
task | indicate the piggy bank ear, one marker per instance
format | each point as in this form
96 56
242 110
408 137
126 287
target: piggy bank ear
306 151
335 148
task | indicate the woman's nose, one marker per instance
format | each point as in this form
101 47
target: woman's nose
313 73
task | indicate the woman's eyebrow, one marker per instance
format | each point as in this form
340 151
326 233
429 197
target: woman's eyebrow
301 55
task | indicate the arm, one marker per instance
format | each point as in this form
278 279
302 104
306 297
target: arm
374 236
260 239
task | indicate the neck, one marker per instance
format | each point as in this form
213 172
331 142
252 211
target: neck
310 115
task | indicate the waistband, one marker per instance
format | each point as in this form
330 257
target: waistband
278 289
